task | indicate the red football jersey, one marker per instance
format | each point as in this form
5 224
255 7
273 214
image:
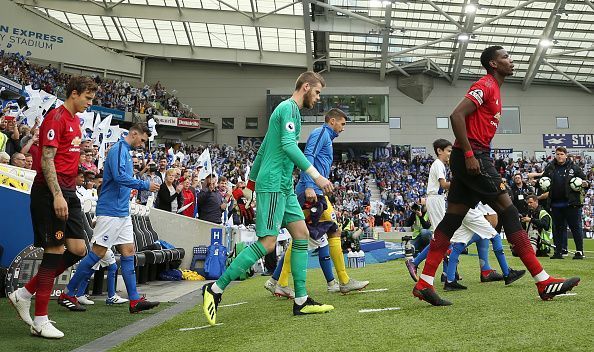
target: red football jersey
60 129
482 124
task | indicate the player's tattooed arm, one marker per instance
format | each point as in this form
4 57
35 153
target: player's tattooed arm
49 170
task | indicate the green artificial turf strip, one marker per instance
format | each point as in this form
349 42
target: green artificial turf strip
79 328
486 317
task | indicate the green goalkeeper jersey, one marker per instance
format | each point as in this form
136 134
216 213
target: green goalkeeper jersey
279 154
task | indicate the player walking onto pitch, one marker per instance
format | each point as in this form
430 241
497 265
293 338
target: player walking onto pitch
114 224
475 179
324 231
272 177
55 209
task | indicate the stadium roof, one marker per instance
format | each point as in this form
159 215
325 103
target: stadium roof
549 40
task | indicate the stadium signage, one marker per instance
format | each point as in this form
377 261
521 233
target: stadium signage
10 36
188 123
104 112
575 140
10 85
165 120
24 267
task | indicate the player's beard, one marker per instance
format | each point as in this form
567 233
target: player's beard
309 101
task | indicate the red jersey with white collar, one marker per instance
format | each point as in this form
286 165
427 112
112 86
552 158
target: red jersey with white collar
60 129
482 124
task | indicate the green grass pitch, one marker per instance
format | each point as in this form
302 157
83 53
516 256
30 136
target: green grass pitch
486 317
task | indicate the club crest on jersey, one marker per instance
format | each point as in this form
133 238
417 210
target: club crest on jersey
51 134
290 127
502 186
478 95
59 235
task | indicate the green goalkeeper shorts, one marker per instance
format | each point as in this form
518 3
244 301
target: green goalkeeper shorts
275 210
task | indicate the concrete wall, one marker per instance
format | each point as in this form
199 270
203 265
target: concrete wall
33 35
182 231
217 90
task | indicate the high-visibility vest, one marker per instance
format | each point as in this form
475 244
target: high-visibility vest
547 235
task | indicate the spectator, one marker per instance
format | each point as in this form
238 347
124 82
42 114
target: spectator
210 202
4 158
153 177
18 159
169 197
162 168
9 142
31 145
188 196
88 163
28 161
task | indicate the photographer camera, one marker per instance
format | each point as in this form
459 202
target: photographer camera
539 225
420 225
151 175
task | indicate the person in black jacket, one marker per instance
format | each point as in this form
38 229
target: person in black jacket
520 190
169 197
565 203
211 203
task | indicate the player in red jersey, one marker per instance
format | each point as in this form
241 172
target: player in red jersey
475 179
55 209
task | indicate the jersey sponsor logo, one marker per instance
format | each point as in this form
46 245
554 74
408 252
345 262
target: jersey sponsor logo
478 95
51 134
76 141
290 127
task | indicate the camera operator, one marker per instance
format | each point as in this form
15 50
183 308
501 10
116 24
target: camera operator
420 225
565 203
539 225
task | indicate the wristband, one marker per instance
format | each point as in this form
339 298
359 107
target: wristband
251 185
469 154
313 173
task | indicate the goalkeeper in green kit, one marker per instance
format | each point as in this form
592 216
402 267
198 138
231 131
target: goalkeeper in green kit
271 177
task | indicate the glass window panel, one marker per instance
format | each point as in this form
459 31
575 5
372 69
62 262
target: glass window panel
359 108
395 122
509 123
228 123
443 122
251 123
562 122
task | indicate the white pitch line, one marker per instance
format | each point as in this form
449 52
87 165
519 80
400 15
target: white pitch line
376 290
232 305
199 327
378 310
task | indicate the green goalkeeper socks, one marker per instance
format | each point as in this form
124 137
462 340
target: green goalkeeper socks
299 266
242 263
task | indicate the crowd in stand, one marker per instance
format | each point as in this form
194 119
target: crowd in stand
401 182
114 94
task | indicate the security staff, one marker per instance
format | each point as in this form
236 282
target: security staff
565 203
